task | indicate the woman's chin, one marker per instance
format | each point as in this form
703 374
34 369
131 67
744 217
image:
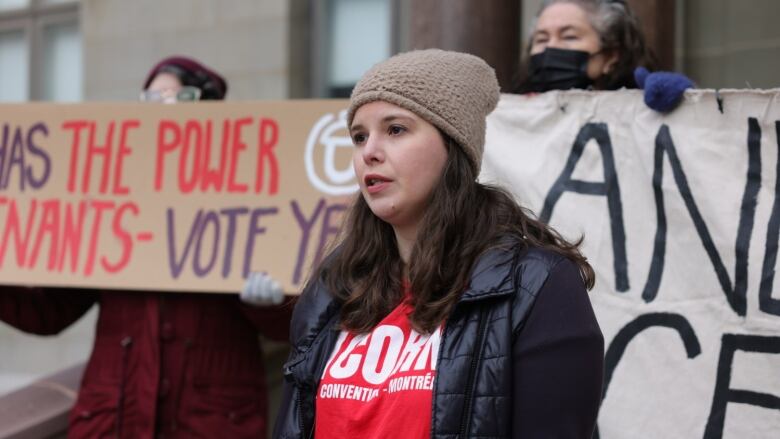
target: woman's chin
386 212
384 215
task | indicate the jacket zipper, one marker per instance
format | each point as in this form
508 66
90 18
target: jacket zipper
299 402
301 423
320 370
467 403
125 343
436 379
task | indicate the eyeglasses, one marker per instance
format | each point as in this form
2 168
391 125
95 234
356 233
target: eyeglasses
185 94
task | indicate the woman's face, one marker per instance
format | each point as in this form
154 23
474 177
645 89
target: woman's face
566 26
398 159
166 86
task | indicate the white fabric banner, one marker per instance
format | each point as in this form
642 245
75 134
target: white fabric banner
681 216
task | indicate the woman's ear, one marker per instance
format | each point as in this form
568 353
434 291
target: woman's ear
611 60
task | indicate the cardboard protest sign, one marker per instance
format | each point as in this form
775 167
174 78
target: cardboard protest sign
186 197
681 217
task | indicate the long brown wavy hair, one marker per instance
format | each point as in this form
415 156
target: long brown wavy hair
463 220
619 32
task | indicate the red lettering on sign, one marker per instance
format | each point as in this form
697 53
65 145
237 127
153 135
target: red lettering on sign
235 152
268 137
216 176
71 236
76 126
192 130
50 224
13 226
123 236
190 147
124 150
99 207
102 149
54 228
95 150
165 130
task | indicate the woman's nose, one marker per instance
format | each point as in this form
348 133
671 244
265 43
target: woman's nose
555 43
373 151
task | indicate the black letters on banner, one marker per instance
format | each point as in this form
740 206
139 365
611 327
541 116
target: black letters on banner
621 340
724 394
736 296
765 301
609 188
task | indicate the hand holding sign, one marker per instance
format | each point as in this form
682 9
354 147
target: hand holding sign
261 289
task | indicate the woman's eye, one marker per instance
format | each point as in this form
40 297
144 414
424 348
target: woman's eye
571 37
396 129
540 37
357 139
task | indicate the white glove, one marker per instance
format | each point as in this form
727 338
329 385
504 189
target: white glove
261 289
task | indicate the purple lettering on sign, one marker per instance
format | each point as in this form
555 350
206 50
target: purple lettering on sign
200 270
230 235
18 150
329 228
254 230
40 153
177 264
306 227
15 156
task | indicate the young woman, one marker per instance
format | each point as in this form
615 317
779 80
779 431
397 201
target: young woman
447 310
595 44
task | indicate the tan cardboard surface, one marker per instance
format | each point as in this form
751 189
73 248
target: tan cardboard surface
186 197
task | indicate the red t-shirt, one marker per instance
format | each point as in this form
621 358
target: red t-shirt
380 384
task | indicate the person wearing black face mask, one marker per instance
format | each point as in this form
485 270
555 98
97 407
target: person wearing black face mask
559 69
594 44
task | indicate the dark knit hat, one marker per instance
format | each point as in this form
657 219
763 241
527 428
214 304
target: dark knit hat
190 72
453 91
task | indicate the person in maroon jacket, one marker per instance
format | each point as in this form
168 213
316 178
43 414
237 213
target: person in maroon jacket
165 364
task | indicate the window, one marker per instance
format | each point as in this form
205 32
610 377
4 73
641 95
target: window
9 5
350 36
14 69
40 51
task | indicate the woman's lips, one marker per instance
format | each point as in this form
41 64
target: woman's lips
378 187
375 183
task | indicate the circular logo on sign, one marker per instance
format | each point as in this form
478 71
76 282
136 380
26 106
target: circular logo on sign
325 140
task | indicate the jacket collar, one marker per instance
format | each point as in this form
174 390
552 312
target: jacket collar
492 275
314 312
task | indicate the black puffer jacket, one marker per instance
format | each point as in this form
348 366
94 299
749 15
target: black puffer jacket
489 383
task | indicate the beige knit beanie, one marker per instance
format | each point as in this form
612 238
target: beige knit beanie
453 91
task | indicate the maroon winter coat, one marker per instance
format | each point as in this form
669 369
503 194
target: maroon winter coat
163 365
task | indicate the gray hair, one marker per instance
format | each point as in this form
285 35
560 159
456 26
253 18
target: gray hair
603 15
